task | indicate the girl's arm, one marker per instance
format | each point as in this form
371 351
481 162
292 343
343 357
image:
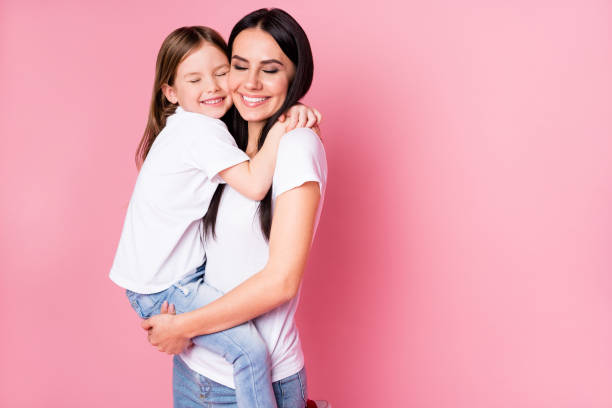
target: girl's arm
290 239
253 178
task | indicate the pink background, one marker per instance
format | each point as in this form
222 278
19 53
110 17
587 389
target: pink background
463 258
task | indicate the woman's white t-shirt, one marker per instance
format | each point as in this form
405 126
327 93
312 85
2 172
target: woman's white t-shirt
161 241
240 251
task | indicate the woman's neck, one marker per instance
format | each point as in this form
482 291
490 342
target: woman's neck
255 129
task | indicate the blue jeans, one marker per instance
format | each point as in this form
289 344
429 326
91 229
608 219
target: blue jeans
192 390
241 346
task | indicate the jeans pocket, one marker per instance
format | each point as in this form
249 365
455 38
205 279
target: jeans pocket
146 305
303 384
293 390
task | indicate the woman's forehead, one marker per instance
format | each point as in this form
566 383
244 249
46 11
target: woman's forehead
256 45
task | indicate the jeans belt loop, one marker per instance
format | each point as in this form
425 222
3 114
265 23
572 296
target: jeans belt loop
184 290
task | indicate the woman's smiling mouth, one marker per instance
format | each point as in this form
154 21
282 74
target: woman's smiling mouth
254 101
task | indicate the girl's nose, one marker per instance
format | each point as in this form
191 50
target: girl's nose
211 85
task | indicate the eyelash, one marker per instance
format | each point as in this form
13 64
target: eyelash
239 68
193 81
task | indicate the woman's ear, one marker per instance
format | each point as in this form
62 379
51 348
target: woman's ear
169 93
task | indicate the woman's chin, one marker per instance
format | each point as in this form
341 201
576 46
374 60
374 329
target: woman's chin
251 116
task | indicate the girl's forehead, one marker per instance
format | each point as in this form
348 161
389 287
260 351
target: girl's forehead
203 58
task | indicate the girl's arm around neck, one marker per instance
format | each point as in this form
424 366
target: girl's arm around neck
290 240
253 178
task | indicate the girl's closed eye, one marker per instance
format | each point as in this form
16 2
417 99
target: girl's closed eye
193 81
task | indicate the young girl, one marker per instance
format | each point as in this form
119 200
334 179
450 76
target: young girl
186 151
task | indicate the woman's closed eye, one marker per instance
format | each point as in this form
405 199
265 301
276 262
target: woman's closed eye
238 67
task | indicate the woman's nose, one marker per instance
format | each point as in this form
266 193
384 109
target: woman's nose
253 81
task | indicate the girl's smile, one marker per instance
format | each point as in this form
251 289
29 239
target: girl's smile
201 84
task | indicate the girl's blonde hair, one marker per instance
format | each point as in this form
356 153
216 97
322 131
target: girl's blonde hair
175 48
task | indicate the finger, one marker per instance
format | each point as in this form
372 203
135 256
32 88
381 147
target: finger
302 119
292 123
172 309
281 118
146 324
164 307
318 114
312 119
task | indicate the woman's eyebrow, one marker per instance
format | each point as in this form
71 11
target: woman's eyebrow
268 61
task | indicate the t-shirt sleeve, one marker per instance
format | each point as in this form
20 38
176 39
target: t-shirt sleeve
211 148
301 158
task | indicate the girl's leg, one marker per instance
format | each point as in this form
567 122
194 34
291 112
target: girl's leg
194 390
241 346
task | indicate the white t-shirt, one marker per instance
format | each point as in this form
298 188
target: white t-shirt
241 251
160 242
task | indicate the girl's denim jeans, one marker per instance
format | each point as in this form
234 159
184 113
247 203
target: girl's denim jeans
242 346
193 390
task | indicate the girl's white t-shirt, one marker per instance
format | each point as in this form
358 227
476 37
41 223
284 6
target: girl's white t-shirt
240 251
161 242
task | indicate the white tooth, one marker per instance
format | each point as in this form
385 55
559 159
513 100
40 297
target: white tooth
213 101
248 99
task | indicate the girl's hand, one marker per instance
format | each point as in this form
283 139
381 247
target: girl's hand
300 116
164 333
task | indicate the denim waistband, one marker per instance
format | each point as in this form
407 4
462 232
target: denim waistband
195 275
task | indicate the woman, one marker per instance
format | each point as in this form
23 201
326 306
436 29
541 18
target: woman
271 70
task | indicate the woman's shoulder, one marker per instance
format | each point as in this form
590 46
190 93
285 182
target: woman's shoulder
301 142
301 158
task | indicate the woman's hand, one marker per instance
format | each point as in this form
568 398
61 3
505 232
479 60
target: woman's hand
300 116
164 333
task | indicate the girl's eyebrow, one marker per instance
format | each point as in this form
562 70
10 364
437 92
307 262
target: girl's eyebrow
225 64
269 61
214 69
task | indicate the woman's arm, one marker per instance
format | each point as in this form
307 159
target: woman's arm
290 239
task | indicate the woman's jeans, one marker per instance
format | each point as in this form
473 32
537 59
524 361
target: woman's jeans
241 346
191 390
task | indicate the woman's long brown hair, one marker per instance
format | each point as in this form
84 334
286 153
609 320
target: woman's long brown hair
293 41
175 48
